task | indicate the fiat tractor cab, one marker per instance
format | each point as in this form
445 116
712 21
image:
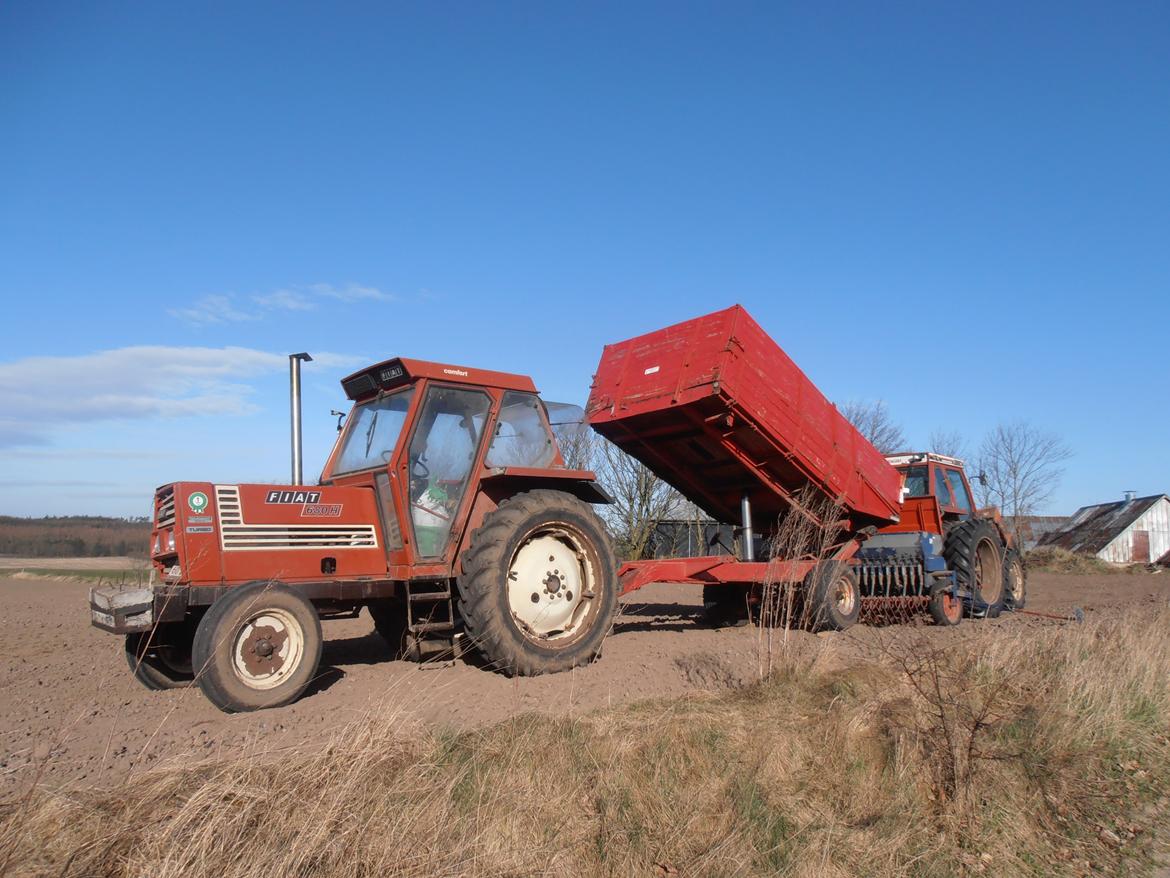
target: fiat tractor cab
445 509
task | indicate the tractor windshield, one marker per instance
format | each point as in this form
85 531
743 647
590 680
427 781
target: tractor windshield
372 432
915 480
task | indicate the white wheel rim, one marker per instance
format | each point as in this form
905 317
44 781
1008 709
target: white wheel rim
550 585
268 648
845 596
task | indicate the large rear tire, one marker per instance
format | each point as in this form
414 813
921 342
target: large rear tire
257 646
974 550
834 596
538 587
161 659
1015 581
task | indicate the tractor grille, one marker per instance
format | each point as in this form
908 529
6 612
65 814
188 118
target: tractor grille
238 535
164 508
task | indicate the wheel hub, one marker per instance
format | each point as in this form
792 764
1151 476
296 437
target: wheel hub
547 585
268 649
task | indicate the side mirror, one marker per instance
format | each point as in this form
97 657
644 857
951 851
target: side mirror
982 477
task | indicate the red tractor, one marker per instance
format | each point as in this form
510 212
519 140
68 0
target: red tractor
445 508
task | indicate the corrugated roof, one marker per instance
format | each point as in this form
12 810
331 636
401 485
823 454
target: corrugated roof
1092 528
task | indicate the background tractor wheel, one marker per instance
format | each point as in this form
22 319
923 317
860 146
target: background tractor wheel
834 596
161 659
974 550
538 588
725 605
1015 581
257 646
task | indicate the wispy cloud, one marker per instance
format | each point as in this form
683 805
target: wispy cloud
142 382
212 309
228 308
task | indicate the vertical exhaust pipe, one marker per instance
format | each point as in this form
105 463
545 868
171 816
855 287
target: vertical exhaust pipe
294 394
745 514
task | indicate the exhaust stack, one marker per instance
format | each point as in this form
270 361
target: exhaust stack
294 393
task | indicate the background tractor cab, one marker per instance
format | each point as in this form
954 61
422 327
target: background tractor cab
925 474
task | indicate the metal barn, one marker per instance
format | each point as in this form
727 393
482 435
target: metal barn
1135 530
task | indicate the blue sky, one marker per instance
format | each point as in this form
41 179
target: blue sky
962 209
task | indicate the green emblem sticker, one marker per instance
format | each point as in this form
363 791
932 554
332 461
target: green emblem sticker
197 501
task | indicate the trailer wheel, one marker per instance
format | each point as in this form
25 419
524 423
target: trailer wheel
725 606
973 549
390 622
1015 581
945 607
257 646
538 587
160 659
834 596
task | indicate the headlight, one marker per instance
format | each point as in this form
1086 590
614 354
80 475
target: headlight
157 543
171 541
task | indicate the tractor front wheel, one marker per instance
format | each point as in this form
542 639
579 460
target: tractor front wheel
161 659
257 646
538 587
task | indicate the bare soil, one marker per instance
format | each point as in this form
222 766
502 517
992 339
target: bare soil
72 714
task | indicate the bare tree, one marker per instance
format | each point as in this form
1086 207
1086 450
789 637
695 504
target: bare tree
640 499
948 442
874 422
578 445
1022 468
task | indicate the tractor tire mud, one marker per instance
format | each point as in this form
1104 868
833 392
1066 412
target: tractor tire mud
834 596
538 587
725 606
1015 581
257 646
158 663
975 551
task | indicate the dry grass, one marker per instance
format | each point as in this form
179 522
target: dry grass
1009 752
1054 560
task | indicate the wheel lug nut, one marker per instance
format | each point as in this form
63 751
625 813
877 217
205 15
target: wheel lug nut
535 598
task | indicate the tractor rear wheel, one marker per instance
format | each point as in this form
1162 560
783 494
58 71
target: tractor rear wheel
974 550
161 659
725 606
538 587
257 646
834 596
1015 581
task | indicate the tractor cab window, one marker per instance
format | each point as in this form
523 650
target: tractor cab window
916 484
521 437
442 452
372 432
962 498
941 491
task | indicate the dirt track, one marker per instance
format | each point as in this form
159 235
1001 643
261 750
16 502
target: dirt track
72 712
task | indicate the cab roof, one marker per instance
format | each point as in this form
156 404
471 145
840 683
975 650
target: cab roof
904 458
400 371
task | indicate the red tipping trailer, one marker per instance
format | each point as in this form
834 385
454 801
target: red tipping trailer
714 407
718 410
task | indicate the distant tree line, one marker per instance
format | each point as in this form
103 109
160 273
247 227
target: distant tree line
74 536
